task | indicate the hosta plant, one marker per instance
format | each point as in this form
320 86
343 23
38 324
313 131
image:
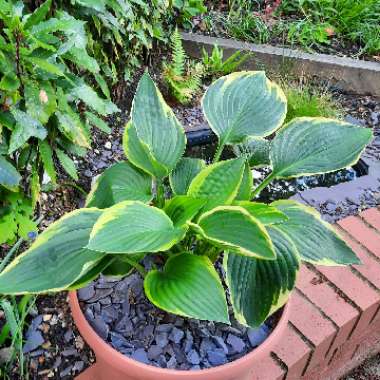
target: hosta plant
197 216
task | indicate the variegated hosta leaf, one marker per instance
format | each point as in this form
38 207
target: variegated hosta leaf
9 176
182 209
134 227
120 182
316 241
244 104
182 175
260 287
189 286
245 189
57 258
139 153
266 214
218 183
308 146
233 228
156 126
256 150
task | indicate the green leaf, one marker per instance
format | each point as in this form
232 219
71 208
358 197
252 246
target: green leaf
259 287
156 126
103 85
56 259
9 82
80 57
10 317
185 171
188 286
97 122
43 64
316 240
46 154
120 182
256 150
9 176
218 183
26 127
38 15
67 164
117 267
70 124
266 214
133 227
234 228
85 93
181 209
245 188
40 100
244 104
139 154
308 146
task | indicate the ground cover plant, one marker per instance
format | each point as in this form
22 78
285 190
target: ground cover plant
192 214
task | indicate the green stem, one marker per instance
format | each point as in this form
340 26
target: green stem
262 185
9 255
137 266
160 193
218 153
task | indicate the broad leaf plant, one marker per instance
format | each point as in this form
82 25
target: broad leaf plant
193 214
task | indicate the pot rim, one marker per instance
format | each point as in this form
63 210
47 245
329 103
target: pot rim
103 349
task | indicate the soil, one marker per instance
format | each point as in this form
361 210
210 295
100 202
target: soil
369 370
63 354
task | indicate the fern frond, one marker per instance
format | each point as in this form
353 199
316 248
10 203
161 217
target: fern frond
178 54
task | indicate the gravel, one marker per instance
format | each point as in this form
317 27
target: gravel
152 336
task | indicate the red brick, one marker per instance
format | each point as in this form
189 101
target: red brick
294 352
267 369
310 322
370 267
372 216
334 306
366 298
366 236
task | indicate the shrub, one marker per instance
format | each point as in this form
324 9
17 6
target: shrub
195 213
41 97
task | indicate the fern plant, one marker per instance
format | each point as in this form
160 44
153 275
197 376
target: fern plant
182 76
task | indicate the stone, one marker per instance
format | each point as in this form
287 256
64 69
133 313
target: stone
100 294
162 339
140 355
171 363
176 335
193 357
68 336
34 340
257 336
85 294
78 366
165 327
154 352
70 352
237 344
217 357
66 371
100 327
219 341
108 145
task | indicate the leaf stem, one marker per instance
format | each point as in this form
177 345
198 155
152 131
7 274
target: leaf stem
218 153
262 185
137 266
160 193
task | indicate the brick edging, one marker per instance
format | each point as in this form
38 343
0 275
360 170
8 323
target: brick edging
353 75
334 321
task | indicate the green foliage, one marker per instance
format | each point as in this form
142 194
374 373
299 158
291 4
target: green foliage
215 66
351 20
188 9
305 101
211 212
182 76
41 94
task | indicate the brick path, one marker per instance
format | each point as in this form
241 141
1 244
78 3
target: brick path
334 321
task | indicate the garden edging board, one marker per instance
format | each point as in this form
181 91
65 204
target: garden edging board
351 75
334 321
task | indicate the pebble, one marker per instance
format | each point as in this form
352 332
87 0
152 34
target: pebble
217 357
237 344
100 327
140 355
193 357
34 340
258 336
108 145
85 294
176 335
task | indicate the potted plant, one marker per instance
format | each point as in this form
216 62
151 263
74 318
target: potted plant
196 217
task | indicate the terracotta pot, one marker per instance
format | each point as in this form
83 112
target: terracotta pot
112 365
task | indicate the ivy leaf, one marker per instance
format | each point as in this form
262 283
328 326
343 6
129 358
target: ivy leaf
26 127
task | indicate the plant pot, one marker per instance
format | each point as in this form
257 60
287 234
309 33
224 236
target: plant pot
111 364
